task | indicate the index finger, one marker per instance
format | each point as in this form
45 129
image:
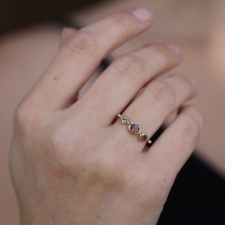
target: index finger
81 54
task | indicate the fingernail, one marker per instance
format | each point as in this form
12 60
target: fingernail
142 14
67 32
64 31
174 49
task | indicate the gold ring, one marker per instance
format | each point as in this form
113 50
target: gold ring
134 128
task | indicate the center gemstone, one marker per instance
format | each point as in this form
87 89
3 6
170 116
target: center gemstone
134 128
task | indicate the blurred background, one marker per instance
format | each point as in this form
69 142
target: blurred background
29 37
17 14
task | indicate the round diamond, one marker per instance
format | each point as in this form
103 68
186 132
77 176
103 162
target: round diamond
143 137
123 119
134 128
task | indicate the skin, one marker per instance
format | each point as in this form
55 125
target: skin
198 28
71 161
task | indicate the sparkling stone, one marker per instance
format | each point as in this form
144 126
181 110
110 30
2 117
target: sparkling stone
123 119
134 128
143 137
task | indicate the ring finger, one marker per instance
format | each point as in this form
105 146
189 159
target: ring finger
158 100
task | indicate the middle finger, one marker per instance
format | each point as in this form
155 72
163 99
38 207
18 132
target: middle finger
119 83
150 109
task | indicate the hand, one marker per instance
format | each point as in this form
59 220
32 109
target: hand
70 161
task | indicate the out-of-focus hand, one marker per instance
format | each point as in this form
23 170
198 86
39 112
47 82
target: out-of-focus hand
71 161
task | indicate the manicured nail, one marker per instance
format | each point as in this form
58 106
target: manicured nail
142 14
174 49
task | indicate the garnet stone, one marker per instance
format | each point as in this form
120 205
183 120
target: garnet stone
134 128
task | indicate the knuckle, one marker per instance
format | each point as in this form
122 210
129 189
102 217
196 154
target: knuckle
122 20
163 93
20 115
191 129
25 118
161 54
129 66
83 42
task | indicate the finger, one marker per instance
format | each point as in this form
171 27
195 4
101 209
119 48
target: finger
81 54
124 77
169 153
150 109
66 34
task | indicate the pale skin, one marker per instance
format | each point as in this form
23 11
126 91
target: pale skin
71 161
198 28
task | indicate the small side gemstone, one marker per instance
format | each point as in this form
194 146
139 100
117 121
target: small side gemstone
134 128
143 137
124 119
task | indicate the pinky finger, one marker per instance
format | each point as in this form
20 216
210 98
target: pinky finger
175 145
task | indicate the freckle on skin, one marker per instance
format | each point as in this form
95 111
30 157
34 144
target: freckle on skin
165 180
55 78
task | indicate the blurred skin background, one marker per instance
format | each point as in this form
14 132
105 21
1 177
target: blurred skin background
29 38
